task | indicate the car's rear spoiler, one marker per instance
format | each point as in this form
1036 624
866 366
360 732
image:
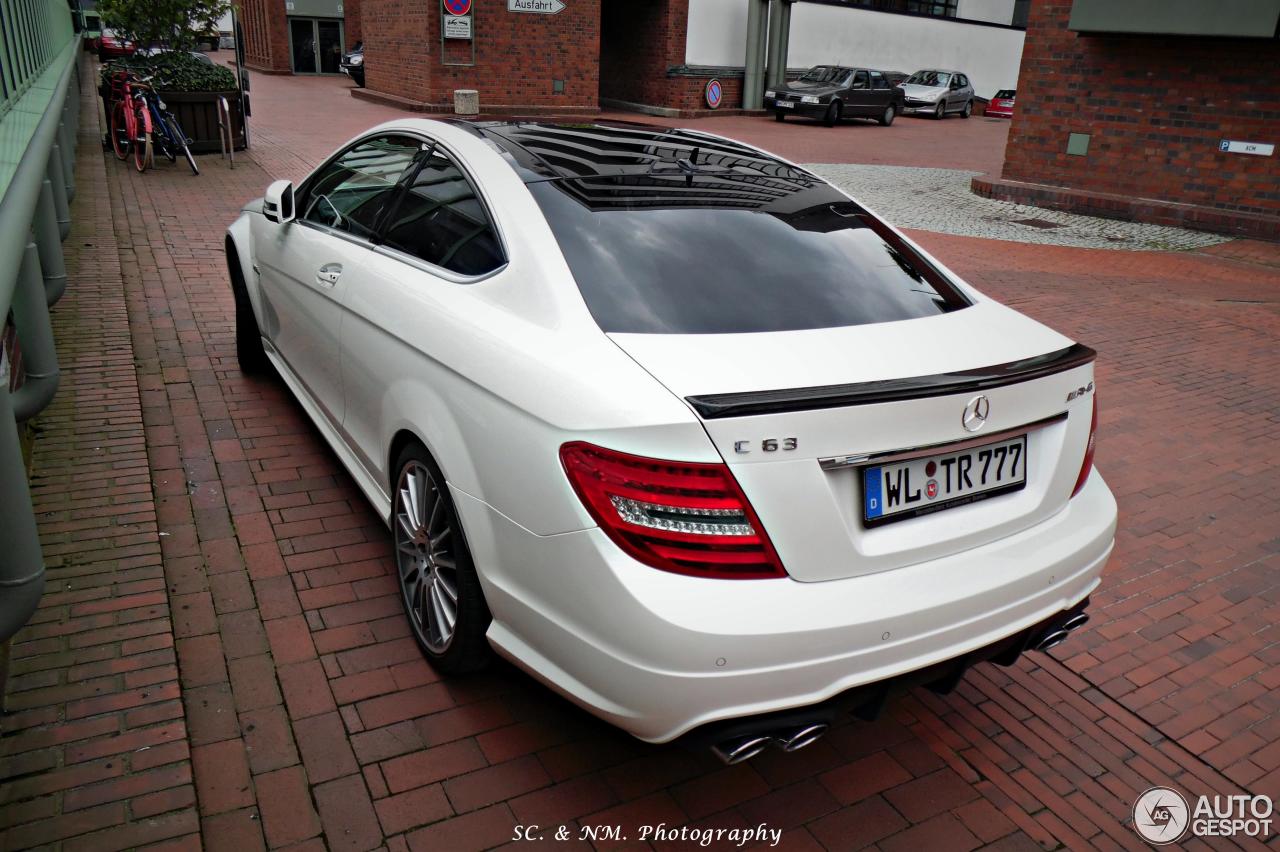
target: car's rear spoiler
714 406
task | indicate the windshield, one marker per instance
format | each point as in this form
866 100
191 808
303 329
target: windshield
716 255
929 78
823 74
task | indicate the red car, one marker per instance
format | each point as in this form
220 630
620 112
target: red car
1001 106
112 46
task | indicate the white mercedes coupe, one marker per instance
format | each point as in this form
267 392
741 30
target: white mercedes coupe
679 428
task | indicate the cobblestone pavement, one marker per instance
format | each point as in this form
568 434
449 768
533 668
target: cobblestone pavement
940 200
220 660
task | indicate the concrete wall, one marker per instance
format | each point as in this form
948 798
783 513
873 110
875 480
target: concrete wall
836 34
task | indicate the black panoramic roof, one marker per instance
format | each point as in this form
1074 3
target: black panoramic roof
632 165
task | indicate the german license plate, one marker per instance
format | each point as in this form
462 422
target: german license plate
920 486
785 104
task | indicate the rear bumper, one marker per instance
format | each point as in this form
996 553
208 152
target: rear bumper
998 112
659 654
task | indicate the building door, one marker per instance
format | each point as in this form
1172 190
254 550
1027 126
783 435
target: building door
329 44
315 45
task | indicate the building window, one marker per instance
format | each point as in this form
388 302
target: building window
936 8
1020 9
941 9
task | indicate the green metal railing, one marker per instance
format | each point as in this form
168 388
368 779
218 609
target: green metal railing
39 109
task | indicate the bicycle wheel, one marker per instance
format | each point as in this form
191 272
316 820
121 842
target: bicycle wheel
165 140
142 144
182 143
120 134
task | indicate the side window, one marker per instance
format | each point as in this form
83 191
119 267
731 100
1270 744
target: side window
964 81
878 81
441 220
352 191
860 80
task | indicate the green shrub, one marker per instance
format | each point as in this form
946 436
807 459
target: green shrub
176 23
178 72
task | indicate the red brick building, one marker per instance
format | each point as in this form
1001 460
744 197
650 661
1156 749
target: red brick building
298 36
569 61
658 56
1116 119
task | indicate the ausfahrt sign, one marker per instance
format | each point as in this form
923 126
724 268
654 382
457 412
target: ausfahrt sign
537 7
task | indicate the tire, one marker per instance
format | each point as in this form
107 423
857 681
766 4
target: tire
832 118
940 113
120 136
182 143
887 118
434 568
249 351
779 116
142 151
968 109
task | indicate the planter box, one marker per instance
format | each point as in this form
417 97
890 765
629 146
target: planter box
197 113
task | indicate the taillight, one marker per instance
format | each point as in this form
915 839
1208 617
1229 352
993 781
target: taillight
684 517
1087 466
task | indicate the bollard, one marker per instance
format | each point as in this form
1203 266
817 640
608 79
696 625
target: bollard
466 102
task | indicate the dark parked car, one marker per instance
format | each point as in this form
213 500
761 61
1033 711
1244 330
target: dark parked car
353 64
833 92
937 93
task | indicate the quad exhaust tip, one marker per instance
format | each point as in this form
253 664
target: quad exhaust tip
1053 640
803 736
739 749
1076 621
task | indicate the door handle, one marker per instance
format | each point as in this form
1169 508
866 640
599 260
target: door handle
329 274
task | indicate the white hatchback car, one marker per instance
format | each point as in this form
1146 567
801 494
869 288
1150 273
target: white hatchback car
678 427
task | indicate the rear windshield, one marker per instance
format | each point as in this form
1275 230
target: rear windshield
1006 93
672 265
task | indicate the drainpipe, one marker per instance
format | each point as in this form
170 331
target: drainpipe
58 181
22 568
49 240
784 41
777 47
35 334
21 560
752 90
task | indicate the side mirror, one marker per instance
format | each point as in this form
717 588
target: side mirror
277 205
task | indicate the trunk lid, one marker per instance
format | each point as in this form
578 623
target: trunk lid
810 498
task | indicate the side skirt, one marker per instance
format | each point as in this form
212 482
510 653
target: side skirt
373 492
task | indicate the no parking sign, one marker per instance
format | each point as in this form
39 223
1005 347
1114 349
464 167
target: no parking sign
714 94
457 19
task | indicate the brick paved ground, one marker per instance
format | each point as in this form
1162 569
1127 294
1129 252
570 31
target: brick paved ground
221 633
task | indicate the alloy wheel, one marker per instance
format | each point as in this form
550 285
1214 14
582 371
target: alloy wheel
425 556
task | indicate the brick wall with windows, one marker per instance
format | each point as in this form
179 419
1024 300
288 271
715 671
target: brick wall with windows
1155 108
518 56
642 59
